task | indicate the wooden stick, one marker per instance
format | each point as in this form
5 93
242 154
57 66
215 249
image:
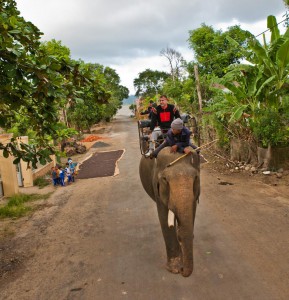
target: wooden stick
190 152
206 144
220 156
177 159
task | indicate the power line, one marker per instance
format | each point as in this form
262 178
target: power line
272 27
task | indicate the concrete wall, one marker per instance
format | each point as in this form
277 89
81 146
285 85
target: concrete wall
8 170
43 170
27 177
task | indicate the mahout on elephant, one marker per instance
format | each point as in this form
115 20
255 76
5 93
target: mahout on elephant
173 182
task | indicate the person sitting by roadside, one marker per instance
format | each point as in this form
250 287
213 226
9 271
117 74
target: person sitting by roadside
148 111
57 174
68 173
178 137
61 176
54 176
163 115
72 168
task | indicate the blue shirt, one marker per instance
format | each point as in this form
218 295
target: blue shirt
182 140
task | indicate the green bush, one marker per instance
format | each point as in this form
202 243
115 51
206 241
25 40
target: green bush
41 182
271 128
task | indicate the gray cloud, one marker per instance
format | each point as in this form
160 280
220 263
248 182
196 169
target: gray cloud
110 32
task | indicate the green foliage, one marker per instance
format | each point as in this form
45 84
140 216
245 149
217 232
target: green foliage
272 128
38 80
56 49
13 211
41 182
17 205
31 87
149 83
132 107
214 51
215 125
255 105
99 100
65 133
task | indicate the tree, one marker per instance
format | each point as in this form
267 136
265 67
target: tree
30 86
149 82
37 80
100 99
176 61
213 51
259 91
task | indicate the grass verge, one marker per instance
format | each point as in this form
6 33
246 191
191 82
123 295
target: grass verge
41 182
17 206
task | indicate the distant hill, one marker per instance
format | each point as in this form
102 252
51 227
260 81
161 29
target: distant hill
130 100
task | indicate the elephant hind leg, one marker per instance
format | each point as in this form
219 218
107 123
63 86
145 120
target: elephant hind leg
174 265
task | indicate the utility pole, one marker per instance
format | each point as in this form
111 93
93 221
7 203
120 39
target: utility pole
200 102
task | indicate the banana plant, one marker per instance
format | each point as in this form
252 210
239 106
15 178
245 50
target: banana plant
265 79
259 85
274 58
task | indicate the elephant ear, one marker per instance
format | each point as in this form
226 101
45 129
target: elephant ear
163 188
195 160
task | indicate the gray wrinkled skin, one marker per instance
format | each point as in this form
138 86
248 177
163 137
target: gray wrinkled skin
175 187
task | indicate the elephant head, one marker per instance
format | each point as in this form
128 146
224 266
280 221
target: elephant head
174 187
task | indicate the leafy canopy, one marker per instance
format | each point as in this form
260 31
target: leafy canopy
38 80
213 50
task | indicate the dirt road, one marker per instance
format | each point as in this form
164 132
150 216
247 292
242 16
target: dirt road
100 239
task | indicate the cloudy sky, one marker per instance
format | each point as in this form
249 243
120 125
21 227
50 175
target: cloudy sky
128 35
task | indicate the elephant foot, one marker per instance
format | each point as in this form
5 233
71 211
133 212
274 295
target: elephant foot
186 272
174 265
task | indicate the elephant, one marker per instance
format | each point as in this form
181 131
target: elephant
174 188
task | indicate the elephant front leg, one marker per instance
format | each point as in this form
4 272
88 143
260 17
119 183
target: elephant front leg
174 263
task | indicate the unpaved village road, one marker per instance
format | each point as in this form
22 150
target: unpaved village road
100 239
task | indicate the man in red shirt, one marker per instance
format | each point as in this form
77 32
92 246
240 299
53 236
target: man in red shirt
162 116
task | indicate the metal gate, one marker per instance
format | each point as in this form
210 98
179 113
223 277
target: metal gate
19 175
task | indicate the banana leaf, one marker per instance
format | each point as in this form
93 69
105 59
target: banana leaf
265 83
283 57
272 25
237 113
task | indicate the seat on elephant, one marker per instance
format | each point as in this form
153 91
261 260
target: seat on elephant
185 118
144 123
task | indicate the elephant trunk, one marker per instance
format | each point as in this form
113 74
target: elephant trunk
185 237
184 209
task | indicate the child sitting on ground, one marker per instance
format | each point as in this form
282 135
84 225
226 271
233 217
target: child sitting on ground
178 137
